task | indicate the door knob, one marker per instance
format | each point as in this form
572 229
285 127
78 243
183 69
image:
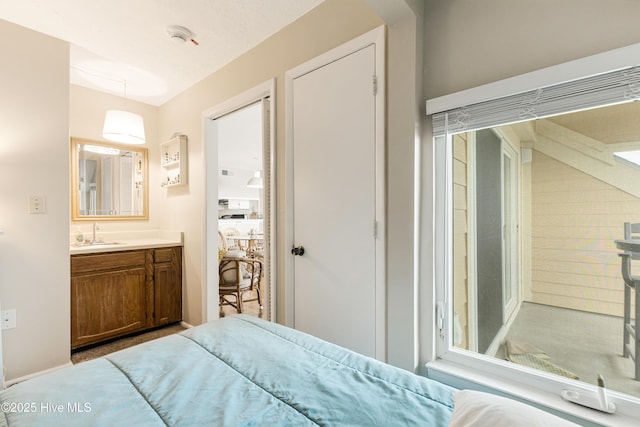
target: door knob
297 250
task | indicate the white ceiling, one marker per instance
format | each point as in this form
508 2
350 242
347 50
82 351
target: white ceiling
118 41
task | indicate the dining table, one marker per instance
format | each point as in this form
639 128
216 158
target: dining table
247 242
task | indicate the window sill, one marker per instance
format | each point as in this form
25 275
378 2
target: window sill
547 397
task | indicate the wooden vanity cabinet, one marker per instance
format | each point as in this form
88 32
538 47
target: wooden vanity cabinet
167 287
117 293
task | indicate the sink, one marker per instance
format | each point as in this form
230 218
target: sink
96 243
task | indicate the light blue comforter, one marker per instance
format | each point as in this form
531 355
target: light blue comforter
236 371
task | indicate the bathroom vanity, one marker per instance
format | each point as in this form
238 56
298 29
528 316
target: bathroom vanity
125 287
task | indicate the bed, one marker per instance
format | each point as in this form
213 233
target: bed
235 371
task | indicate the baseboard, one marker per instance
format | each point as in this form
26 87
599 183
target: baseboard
185 325
9 383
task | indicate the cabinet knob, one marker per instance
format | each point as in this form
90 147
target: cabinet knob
297 250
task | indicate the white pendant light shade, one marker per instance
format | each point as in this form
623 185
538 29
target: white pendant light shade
124 127
255 181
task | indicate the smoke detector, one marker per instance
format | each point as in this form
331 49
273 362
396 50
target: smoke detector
180 34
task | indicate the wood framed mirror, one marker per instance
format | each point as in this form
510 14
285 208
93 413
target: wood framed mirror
108 181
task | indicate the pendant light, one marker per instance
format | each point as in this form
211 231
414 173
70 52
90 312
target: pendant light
255 181
123 126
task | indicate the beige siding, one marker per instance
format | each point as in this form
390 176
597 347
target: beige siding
460 227
575 219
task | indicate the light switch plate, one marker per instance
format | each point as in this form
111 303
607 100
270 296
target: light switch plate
8 319
37 205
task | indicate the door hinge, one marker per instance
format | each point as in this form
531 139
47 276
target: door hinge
375 229
375 85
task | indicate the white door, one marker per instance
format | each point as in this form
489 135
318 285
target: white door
334 179
510 251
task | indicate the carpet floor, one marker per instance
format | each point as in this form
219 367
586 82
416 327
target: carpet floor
122 343
250 307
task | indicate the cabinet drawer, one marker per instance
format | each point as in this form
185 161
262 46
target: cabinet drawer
163 254
106 261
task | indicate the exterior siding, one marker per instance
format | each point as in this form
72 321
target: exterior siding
460 227
575 220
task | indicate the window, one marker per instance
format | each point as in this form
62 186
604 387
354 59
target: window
630 156
533 197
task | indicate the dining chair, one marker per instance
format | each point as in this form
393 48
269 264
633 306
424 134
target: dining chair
222 241
238 276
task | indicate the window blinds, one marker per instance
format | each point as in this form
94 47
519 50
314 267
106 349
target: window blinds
610 88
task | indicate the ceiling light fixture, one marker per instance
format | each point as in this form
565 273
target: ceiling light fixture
123 126
255 181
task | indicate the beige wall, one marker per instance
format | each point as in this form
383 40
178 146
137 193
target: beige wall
495 44
329 25
86 117
44 322
404 116
34 160
469 43
575 219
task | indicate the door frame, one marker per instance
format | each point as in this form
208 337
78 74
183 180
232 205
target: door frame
511 255
210 300
376 38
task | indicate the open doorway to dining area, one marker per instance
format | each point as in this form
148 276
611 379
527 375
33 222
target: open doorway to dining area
241 211
239 206
540 208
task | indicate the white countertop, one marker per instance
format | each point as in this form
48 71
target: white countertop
130 240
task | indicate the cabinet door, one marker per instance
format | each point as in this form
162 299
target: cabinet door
107 304
167 289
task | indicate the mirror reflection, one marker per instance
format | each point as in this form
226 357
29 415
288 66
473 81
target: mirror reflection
108 181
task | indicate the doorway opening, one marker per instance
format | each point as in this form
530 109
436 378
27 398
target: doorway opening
240 201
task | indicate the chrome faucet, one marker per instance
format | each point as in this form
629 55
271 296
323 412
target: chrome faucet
95 227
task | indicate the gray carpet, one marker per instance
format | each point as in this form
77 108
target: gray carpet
122 343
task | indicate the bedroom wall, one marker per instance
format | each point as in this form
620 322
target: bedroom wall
502 38
87 108
79 112
329 25
34 160
469 43
325 27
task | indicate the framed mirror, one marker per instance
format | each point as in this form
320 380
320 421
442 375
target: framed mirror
108 181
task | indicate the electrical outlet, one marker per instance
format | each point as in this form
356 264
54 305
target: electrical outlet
8 319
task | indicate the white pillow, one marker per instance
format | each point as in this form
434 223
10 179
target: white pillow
477 409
